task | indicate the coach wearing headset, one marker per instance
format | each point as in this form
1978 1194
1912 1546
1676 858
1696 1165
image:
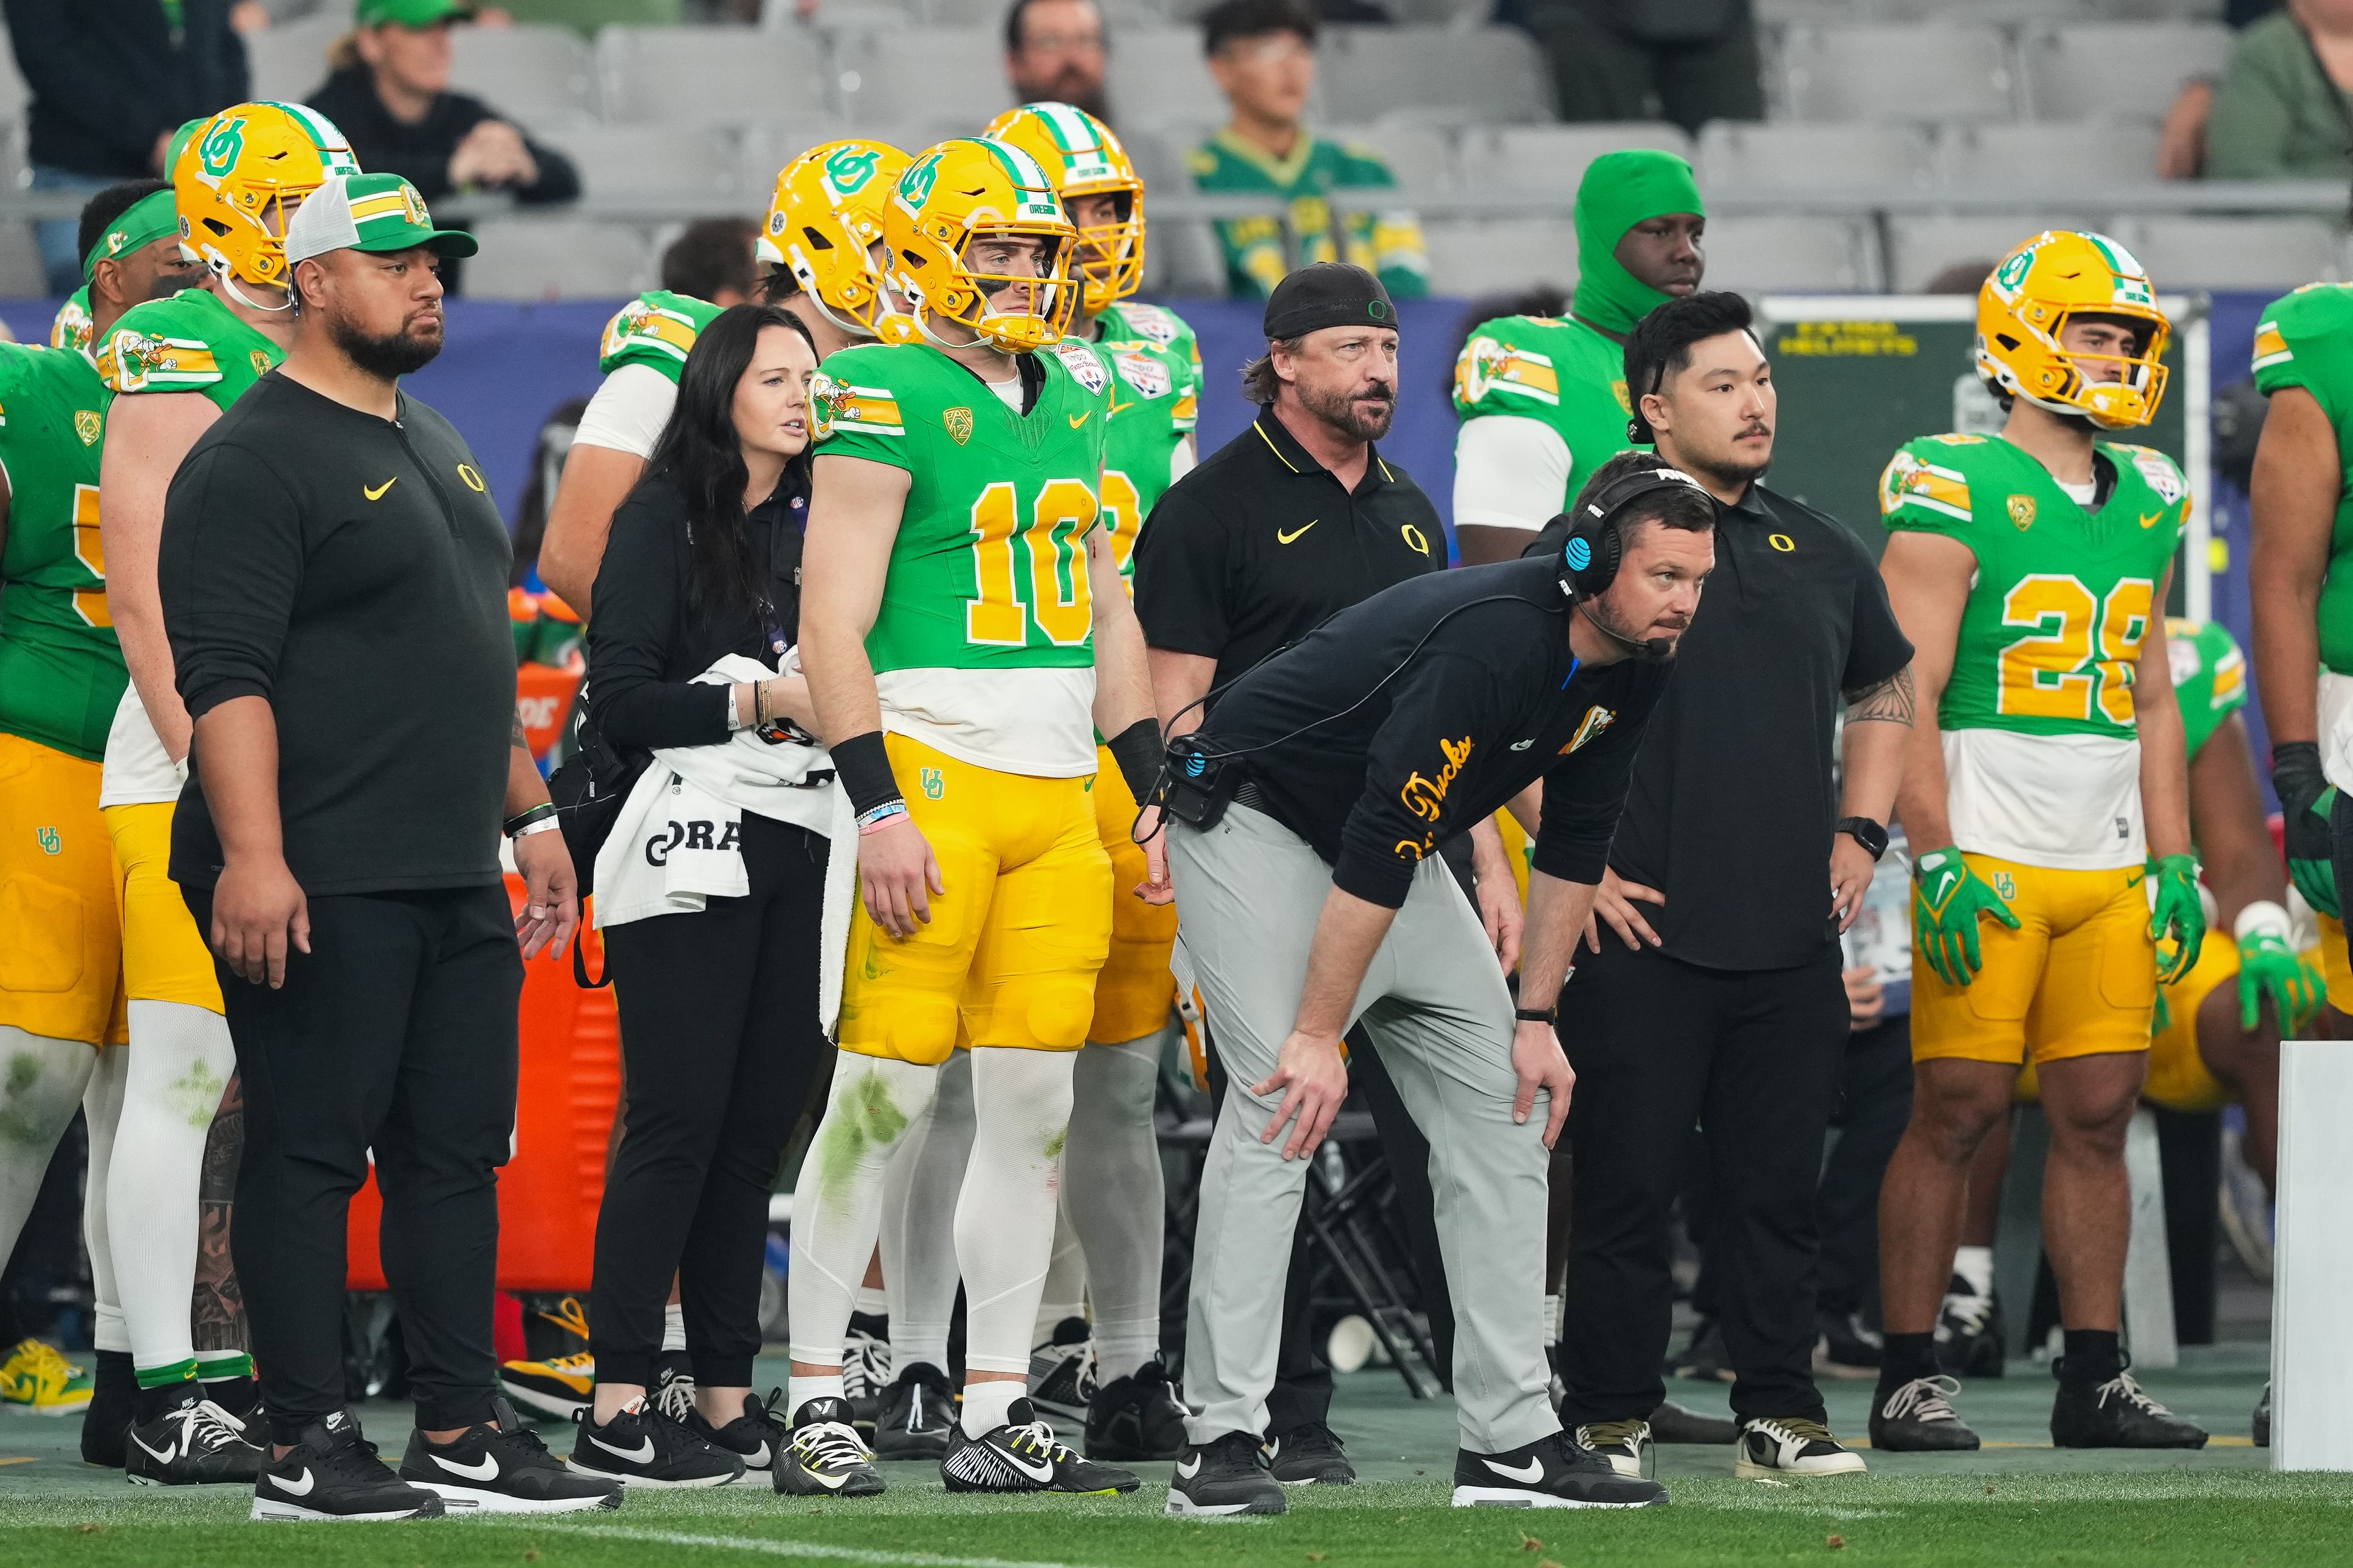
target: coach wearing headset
1303 841
1712 991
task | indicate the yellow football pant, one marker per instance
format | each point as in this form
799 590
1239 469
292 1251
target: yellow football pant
2333 963
1135 991
164 958
60 949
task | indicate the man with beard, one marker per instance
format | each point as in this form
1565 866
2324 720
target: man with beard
333 574
1303 820
1714 992
1297 519
1054 53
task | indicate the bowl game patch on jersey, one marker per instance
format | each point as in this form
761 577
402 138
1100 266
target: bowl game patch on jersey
1084 367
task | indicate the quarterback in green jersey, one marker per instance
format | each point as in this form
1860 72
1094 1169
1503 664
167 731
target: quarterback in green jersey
1543 399
2047 783
966 637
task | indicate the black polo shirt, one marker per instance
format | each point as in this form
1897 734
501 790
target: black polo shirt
1731 807
1260 545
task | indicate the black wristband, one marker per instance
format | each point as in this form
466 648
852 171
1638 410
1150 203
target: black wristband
1537 1014
1139 751
526 817
863 764
2296 763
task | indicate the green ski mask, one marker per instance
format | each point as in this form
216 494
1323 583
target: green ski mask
1618 191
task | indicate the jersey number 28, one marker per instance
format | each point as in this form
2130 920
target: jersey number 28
2082 652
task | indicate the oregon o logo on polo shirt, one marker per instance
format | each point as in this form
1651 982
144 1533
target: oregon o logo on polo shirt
1781 542
473 480
1415 538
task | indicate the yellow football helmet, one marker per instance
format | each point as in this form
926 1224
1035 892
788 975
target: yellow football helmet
823 223
1082 157
2027 301
240 179
974 189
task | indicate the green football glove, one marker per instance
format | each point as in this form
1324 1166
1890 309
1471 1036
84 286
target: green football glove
2178 913
2162 1019
2269 967
1946 899
2305 801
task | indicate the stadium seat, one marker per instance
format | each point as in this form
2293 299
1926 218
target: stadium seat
2126 70
1474 76
287 63
1793 155
848 20
661 163
1920 246
527 258
1420 156
948 76
1899 73
1158 77
2263 253
1553 158
545 77
1813 254
764 150
711 76
2037 156
1499 255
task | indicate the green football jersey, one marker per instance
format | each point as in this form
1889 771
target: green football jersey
189 342
1322 181
60 669
2062 598
2306 340
2210 677
1155 396
1555 370
657 327
72 328
989 568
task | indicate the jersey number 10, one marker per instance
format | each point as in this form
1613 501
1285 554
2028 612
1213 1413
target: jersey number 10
2083 651
1053 540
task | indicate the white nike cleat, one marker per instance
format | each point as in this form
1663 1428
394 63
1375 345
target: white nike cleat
1024 1456
642 1448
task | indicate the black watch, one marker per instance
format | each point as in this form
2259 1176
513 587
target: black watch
1537 1014
1872 835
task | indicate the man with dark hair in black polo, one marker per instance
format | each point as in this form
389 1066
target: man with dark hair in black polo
1713 993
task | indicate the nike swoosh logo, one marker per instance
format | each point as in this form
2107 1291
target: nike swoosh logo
488 1470
1115 407
164 1457
1044 1472
821 1478
375 492
758 1459
282 1484
2151 520
2131 881
1523 745
1188 1471
1526 1476
1283 538
1079 419
642 1454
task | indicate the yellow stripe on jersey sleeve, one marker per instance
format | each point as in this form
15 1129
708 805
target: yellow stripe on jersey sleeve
2230 680
872 409
2271 346
1909 482
1187 412
1489 365
640 324
133 362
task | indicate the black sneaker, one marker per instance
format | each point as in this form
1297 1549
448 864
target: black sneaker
1622 1443
333 1474
916 1415
1671 1423
1971 1334
1062 1371
1224 1477
1023 1456
756 1437
1918 1418
866 1367
1844 1347
823 1456
2263 1419
106 1420
192 1446
502 1468
1772 1447
1137 1417
1309 1453
642 1448
1705 1358
673 1390
1551 1472
2115 1415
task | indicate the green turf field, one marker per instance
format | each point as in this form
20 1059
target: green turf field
2016 1503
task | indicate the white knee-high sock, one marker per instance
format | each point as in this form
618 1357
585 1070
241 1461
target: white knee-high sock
181 1060
102 1107
41 1082
1064 1293
838 1206
1112 1194
1005 1216
918 1248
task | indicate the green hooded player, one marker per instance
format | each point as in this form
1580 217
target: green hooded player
1543 399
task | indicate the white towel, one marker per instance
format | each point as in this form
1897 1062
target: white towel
840 904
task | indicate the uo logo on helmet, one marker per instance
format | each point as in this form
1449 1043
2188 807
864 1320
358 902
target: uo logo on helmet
217 152
849 170
915 184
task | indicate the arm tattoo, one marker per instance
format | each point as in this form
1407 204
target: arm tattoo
515 737
1889 701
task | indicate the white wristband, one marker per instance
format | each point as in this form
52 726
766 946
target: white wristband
2265 918
544 824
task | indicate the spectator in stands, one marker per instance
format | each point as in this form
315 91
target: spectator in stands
1054 53
2282 113
390 96
1262 53
1635 59
111 81
711 259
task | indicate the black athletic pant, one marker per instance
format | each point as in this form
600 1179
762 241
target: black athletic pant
1874 1103
395 1034
1754 1059
720 1043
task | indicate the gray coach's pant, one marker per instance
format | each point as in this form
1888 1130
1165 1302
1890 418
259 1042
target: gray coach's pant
1434 1001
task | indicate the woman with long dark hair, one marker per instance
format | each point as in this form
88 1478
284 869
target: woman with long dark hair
712 886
